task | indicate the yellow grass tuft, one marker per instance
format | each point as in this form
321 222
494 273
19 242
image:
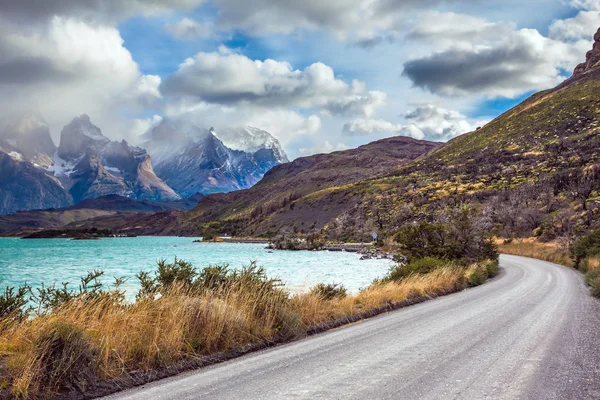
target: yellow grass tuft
110 338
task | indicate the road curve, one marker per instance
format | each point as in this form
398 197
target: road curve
532 333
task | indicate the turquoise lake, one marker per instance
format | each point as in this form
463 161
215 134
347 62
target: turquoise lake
63 260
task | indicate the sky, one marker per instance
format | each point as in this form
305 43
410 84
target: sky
319 75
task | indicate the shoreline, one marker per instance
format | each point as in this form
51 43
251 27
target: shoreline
140 378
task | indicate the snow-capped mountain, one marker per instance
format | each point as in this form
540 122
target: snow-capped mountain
35 174
27 136
194 160
251 140
90 166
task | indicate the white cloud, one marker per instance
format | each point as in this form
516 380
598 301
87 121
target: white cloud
366 22
323 148
235 80
582 26
360 127
69 67
428 122
458 30
585 4
190 29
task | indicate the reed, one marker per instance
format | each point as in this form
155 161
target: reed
99 336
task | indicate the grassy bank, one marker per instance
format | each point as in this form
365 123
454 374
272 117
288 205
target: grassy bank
531 247
583 255
74 340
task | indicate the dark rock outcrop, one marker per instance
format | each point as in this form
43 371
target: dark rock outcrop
592 58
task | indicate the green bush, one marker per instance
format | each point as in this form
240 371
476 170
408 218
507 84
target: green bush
182 274
586 246
13 303
478 277
493 268
592 278
329 291
459 237
421 266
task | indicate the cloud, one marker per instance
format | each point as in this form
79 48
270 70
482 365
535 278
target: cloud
323 148
97 10
67 67
444 28
585 4
357 104
425 122
366 22
582 26
190 29
523 61
232 79
360 127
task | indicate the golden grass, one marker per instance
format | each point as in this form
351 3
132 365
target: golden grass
183 324
531 247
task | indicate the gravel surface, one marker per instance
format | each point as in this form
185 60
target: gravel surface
531 333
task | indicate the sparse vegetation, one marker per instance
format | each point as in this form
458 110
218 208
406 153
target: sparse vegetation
73 339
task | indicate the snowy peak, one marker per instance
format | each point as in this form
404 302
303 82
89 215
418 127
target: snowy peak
250 140
193 160
79 135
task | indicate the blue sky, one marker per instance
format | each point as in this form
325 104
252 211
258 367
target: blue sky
320 76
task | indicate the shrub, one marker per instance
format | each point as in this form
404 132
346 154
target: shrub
592 278
478 277
461 236
329 291
492 268
586 246
13 303
420 266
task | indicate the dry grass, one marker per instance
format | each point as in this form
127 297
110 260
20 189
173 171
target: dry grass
531 247
98 338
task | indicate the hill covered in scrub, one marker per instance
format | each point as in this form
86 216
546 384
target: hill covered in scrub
532 171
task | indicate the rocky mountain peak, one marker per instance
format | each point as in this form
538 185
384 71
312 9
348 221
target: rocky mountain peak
79 135
592 58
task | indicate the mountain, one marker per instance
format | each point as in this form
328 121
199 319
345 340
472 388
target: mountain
90 166
25 186
533 171
290 194
251 140
193 160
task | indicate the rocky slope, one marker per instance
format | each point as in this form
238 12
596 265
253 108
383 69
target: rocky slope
534 170
193 160
290 195
90 165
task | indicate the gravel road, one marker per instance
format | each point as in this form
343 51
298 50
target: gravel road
531 333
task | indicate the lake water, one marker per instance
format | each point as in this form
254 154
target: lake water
64 260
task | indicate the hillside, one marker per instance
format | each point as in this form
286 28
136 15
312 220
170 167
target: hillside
289 194
532 171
